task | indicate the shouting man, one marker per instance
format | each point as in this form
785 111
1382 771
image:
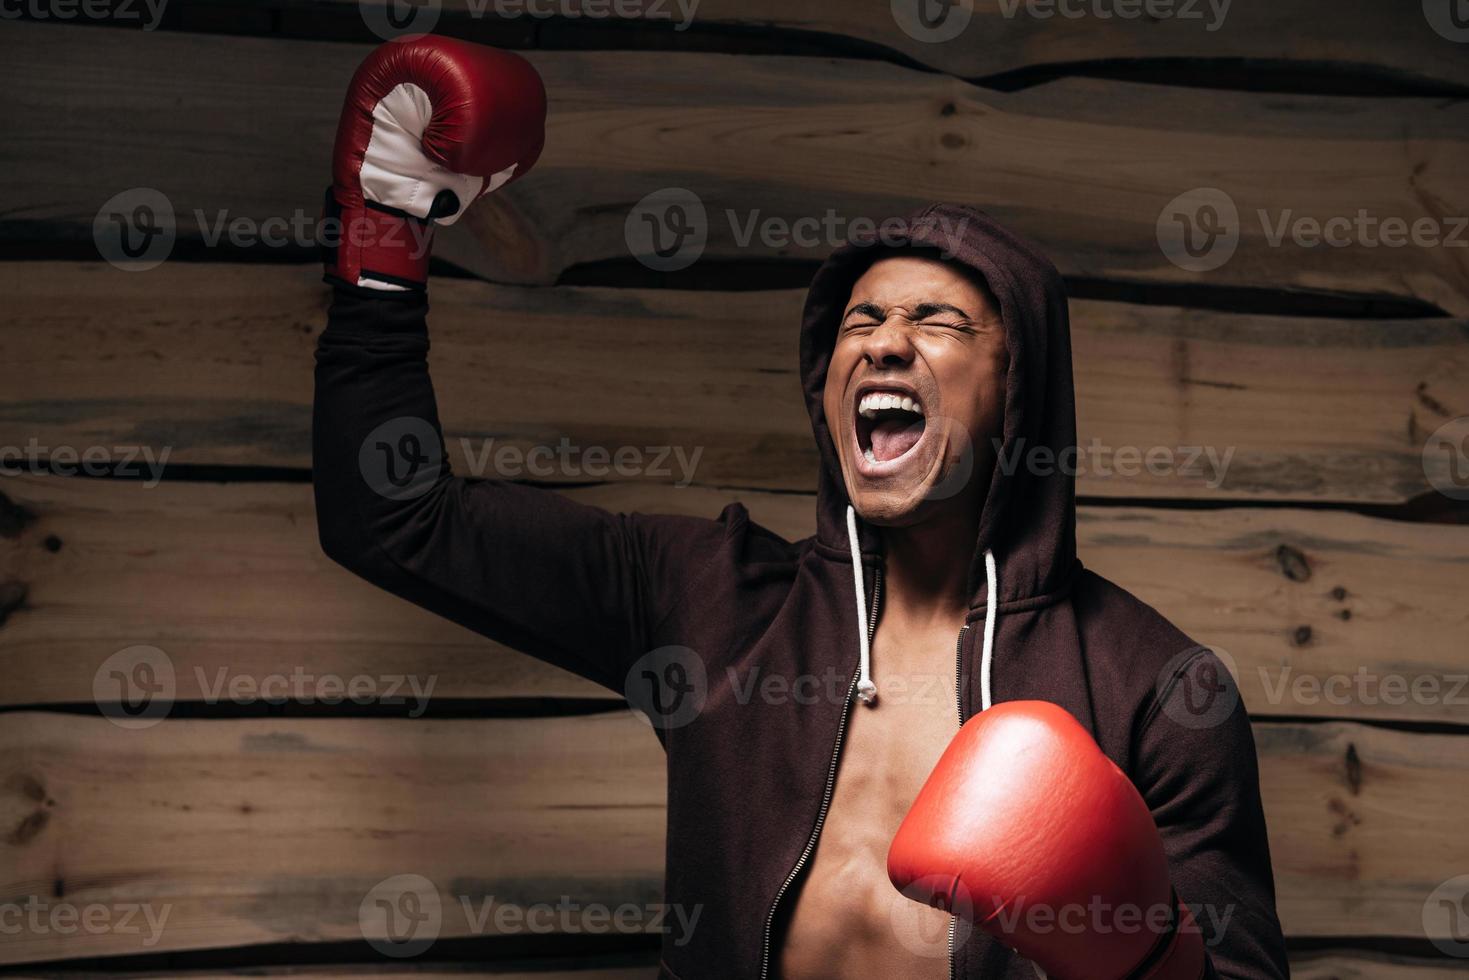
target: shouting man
1099 816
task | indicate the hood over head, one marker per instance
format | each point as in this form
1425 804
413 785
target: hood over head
1029 514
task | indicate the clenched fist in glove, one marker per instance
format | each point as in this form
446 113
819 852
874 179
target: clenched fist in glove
1028 830
429 124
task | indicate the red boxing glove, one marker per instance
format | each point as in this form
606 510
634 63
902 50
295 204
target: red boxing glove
1026 829
429 125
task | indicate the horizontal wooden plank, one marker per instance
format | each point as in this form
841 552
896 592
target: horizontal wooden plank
992 38
213 364
230 582
1087 168
274 830
257 832
1354 965
1329 965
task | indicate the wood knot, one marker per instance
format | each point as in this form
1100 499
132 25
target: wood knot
1300 636
1293 564
14 518
1354 769
29 828
12 597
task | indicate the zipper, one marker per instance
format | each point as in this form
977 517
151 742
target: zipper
831 776
959 709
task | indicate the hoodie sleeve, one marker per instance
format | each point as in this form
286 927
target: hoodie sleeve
1198 772
574 585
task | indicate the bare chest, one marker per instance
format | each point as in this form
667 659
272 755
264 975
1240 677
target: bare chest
848 920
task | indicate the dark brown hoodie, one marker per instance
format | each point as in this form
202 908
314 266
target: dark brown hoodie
695 619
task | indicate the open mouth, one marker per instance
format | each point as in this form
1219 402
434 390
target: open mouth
889 423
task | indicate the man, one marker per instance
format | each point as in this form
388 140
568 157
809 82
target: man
942 579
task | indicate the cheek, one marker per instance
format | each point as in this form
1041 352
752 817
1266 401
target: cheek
836 385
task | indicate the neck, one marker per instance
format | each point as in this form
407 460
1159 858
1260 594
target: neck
926 570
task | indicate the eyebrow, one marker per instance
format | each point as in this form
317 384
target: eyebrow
920 312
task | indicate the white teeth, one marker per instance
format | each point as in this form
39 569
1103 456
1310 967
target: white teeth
876 401
871 456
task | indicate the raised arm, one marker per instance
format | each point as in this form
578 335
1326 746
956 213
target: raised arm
428 126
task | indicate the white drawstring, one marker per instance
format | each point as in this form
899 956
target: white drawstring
866 690
991 602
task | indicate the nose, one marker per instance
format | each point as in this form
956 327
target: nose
889 346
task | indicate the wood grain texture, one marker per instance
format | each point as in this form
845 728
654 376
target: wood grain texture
1354 965
213 363
273 830
991 37
1084 167
229 581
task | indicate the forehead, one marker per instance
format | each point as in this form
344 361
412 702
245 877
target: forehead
910 279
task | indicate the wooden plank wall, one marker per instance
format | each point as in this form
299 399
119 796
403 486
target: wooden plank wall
1323 554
